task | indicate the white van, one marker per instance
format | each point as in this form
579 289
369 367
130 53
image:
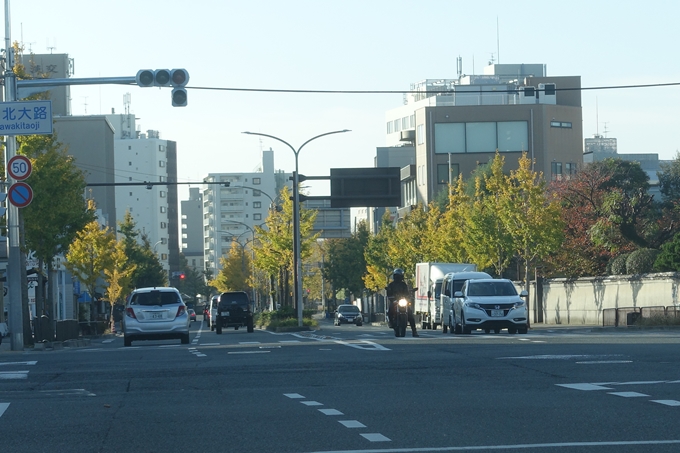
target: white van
452 282
214 300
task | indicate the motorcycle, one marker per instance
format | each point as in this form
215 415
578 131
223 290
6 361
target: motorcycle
400 317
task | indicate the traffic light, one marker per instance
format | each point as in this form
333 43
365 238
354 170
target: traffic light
176 78
182 276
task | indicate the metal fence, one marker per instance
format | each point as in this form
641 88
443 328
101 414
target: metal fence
628 316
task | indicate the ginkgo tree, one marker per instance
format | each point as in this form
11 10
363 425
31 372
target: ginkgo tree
89 256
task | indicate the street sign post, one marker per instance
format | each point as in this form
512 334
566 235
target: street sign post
25 117
20 194
19 167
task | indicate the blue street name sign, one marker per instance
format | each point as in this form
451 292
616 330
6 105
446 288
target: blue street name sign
25 117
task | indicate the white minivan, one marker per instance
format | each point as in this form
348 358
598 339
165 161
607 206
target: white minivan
214 300
453 281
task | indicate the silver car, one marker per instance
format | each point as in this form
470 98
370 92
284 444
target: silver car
155 314
489 304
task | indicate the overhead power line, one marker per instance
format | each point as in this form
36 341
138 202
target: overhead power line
443 91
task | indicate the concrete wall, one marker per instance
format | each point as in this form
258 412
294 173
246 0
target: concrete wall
581 301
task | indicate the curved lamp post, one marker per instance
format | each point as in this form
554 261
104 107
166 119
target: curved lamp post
297 262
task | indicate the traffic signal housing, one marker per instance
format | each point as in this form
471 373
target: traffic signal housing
176 78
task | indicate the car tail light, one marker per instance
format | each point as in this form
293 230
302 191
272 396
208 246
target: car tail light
130 313
180 311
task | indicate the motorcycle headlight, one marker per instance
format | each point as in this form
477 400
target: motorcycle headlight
518 304
402 302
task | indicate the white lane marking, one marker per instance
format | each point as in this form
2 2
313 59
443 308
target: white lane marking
201 355
352 424
667 402
3 408
549 357
81 392
107 341
170 346
270 347
311 403
33 362
248 342
638 382
628 394
330 412
210 344
585 387
363 344
248 352
380 437
377 437
293 395
325 349
289 341
6 375
597 362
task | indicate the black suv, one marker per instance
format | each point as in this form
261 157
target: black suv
233 310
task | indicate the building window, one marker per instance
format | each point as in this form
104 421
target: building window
257 193
130 164
163 209
257 216
130 193
164 256
481 137
164 225
443 173
565 124
389 127
162 193
257 204
161 163
512 136
449 138
161 148
420 134
257 181
556 171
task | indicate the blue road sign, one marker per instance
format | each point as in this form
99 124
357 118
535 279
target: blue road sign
25 117
20 194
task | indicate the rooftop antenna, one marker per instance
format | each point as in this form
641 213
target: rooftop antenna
498 43
85 104
51 48
597 119
459 66
605 128
491 60
127 97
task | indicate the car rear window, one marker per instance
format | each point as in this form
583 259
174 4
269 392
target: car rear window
155 298
240 299
348 309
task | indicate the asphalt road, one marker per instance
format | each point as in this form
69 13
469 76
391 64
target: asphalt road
349 389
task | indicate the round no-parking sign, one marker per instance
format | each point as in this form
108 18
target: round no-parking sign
20 194
19 167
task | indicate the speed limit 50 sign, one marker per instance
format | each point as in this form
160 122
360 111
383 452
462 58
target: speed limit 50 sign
19 167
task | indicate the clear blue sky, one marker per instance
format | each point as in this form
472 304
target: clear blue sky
350 45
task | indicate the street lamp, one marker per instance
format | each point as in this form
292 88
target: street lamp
261 191
297 262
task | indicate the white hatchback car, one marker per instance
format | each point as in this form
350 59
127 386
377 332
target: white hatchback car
489 304
155 314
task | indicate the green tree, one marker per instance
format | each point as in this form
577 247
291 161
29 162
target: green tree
669 179
487 239
148 268
345 264
235 272
379 263
118 276
530 215
274 248
89 256
669 258
58 210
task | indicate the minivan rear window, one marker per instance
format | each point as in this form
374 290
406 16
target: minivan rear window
240 299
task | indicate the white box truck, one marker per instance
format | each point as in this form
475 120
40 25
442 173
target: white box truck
429 278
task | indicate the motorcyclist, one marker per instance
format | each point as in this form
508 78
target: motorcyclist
398 289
